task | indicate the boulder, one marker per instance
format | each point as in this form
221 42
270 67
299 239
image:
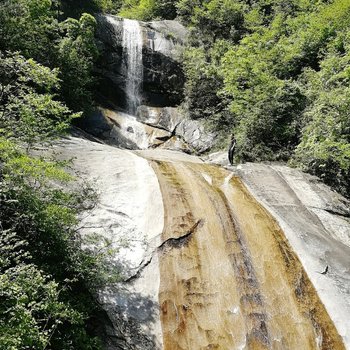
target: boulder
218 158
152 127
191 132
195 134
167 118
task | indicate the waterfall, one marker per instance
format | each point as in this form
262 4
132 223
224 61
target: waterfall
132 57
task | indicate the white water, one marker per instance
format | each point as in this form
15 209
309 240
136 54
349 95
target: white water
132 57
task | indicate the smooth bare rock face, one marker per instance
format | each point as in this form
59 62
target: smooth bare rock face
207 265
195 134
218 158
171 30
229 279
162 76
152 127
316 221
124 130
129 210
175 143
167 118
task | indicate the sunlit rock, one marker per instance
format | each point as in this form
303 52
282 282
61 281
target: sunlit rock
208 266
316 221
128 214
167 118
123 130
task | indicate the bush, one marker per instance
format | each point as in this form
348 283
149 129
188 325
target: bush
30 111
325 146
148 10
45 280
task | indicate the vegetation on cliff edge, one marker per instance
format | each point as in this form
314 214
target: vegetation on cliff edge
47 280
273 73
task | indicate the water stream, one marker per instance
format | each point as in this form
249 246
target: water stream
228 277
132 57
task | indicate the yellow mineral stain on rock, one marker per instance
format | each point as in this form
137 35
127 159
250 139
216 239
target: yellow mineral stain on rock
228 277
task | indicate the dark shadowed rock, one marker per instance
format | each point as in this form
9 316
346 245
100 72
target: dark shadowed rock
163 77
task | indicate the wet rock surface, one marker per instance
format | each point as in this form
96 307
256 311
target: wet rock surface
152 127
163 77
236 283
208 266
316 222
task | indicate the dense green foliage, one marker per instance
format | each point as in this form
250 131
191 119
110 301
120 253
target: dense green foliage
276 75
29 110
75 8
43 271
147 10
46 279
32 27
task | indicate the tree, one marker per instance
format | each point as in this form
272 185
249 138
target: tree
29 110
46 277
147 10
29 26
324 149
43 290
77 52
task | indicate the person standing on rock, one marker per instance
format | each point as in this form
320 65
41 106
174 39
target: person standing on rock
231 150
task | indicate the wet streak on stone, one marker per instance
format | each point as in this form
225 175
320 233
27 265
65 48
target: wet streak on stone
238 257
307 297
305 294
251 301
177 195
194 308
312 313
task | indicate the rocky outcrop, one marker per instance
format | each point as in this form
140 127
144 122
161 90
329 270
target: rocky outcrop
157 123
207 265
124 130
129 214
191 132
316 221
166 118
163 77
152 127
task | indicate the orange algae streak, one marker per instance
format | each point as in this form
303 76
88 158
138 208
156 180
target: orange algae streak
228 277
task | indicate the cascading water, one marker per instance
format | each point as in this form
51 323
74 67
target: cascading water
132 57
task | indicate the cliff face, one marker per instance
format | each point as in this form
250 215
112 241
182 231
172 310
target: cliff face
163 77
218 259
141 83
